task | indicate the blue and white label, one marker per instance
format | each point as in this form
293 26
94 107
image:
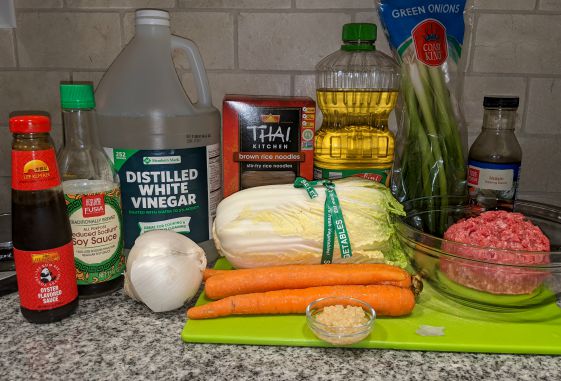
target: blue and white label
401 17
173 189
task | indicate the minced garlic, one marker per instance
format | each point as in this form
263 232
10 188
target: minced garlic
342 316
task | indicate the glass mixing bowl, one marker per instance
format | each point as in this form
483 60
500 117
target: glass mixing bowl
482 277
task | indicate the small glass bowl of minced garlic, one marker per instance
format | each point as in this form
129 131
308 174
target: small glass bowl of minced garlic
340 320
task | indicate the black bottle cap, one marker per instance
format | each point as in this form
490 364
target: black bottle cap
501 102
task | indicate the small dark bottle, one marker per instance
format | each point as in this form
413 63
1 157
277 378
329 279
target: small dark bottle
41 233
495 156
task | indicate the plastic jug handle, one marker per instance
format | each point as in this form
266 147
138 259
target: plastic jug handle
197 67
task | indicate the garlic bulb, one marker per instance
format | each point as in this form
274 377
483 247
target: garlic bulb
164 270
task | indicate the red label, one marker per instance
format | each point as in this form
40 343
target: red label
46 278
34 170
93 205
431 46
473 176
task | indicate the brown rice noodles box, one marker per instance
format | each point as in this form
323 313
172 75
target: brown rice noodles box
266 140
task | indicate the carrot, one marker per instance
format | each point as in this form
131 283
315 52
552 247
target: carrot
235 282
212 272
386 300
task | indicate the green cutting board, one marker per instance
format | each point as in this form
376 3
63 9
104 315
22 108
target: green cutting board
537 331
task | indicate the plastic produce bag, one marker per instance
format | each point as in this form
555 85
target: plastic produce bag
427 38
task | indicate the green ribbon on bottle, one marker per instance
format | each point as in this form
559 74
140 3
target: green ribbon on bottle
333 221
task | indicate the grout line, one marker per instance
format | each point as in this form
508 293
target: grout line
292 9
236 16
519 12
277 72
122 28
473 38
524 116
514 74
201 10
15 49
292 84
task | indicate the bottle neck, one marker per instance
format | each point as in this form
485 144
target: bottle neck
79 128
150 30
32 141
499 119
354 46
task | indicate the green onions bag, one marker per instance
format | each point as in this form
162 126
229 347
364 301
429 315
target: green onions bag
427 38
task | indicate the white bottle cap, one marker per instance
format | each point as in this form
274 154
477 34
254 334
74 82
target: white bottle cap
152 17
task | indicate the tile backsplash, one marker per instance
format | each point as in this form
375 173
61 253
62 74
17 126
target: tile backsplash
271 47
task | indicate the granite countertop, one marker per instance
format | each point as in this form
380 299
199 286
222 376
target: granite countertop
114 338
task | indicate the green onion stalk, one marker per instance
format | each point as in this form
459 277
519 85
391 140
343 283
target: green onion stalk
432 163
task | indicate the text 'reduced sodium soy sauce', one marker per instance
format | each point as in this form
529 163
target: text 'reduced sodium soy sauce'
41 232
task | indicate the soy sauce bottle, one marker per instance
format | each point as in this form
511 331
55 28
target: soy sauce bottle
41 233
92 194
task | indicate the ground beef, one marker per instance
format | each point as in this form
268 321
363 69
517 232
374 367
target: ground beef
501 230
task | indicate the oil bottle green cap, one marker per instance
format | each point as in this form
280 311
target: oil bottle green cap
77 96
359 32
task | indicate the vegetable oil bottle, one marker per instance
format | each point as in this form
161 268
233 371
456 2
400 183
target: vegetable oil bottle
166 149
357 88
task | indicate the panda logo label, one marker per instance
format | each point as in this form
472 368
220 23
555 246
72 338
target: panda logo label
47 276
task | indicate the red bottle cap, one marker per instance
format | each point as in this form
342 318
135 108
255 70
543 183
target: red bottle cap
30 124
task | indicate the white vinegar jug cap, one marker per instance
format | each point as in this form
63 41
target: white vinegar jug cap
152 17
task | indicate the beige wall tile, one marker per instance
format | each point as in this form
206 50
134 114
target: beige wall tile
381 40
5 194
505 5
545 198
250 84
7 57
476 87
283 41
326 4
78 40
554 179
128 27
88 76
544 104
120 3
513 43
256 4
212 32
30 90
38 3
538 173
305 85
550 5
5 152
